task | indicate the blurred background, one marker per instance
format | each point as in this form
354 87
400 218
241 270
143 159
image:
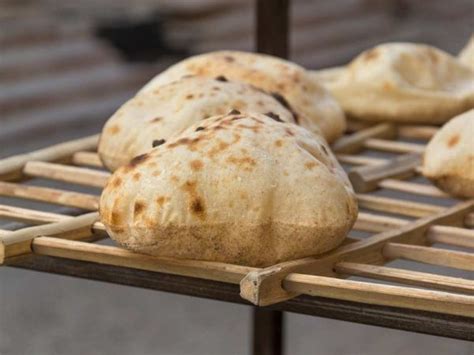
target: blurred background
66 66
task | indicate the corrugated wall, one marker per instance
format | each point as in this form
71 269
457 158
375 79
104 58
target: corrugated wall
57 79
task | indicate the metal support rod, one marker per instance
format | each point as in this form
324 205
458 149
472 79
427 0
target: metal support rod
267 332
272 22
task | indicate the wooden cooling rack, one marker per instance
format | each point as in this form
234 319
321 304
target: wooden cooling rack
342 284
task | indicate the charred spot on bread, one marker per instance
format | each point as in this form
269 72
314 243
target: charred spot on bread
274 116
196 164
138 208
158 142
221 78
157 119
197 207
115 218
371 54
453 140
138 160
114 129
229 58
196 204
244 162
136 176
190 96
190 143
281 99
324 149
160 200
234 112
199 129
116 181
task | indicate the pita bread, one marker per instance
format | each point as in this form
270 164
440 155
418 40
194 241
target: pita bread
314 106
156 115
466 56
449 157
401 82
238 188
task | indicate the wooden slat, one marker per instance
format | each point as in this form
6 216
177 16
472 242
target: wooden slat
359 159
404 207
16 243
356 141
10 168
396 296
456 236
28 215
410 187
72 174
430 255
393 184
87 158
417 132
460 237
367 178
60 227
398 206
393 146
368 222
120 257
422 279
49 195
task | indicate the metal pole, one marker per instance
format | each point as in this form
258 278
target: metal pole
267 332
272 22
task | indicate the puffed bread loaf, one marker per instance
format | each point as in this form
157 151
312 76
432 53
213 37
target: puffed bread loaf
239 188
314 106
154 116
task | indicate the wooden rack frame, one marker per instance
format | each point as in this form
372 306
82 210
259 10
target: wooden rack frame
61 243
64 242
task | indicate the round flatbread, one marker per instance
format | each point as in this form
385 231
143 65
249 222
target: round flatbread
466 56
401 82
449 157
154 116
314 106
239 188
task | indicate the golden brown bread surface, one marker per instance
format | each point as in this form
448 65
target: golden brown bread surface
315 107
157 115
401 82
449 157
238 188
